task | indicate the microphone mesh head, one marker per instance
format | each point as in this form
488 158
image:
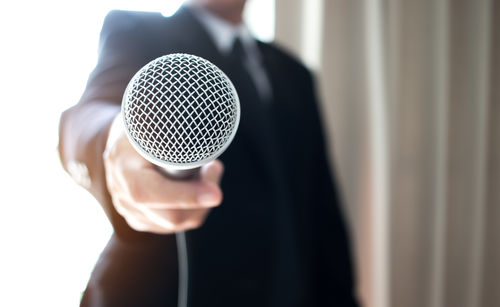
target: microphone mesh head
180 111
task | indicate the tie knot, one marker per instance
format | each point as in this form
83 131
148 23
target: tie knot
238 52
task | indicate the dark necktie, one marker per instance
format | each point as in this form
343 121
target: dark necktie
260 124
239 59
238 52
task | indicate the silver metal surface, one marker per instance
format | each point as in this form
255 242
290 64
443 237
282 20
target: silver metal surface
180 111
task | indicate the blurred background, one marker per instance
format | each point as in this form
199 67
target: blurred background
411 101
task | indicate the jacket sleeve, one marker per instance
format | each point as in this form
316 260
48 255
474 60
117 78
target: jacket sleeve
83 128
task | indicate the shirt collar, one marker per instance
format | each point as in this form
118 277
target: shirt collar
222 32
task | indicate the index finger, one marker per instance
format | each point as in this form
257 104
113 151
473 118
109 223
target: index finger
146 185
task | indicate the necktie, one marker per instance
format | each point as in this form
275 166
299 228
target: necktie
238 52
239 60
274 212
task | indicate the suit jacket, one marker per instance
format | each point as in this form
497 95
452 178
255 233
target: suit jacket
278 239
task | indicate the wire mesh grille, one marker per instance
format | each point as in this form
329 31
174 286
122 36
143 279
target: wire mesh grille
180 109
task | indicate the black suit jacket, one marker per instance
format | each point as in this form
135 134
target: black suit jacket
278 239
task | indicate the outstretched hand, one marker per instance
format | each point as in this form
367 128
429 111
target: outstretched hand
148 200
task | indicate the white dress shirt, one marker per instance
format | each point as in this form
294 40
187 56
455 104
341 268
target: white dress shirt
223 35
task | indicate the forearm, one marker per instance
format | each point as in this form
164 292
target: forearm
82 139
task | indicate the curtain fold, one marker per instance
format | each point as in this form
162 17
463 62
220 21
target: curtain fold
417 82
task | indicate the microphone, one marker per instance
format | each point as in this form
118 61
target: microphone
180 112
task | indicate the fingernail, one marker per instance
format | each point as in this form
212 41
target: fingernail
207 199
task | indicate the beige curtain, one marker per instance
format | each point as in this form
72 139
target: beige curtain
412 103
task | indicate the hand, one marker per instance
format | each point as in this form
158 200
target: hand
148 200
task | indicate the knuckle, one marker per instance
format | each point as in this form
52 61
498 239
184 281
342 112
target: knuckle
134 224
106 156
120 208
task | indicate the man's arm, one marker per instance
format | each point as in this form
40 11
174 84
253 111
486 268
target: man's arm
131 190
84 127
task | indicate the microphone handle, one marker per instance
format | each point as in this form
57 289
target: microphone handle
181 174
